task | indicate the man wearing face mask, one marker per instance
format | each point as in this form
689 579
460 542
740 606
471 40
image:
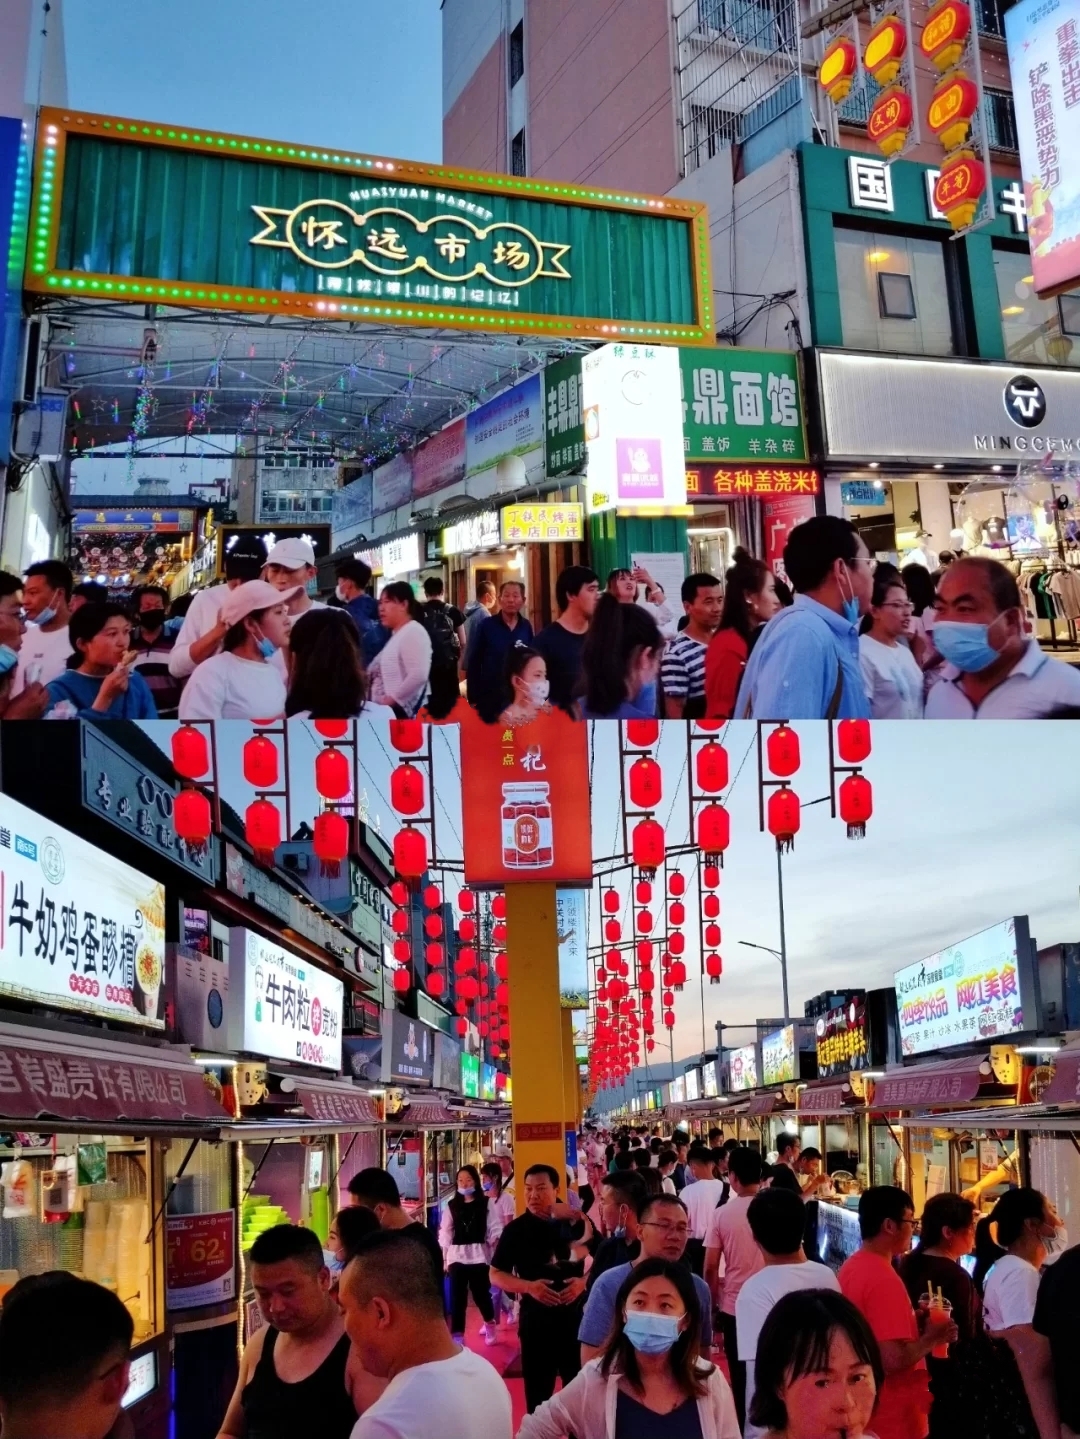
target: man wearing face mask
47 646
620 1195
353 581
153 645
806 663
993 669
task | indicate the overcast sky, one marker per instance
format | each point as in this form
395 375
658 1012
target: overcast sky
972 823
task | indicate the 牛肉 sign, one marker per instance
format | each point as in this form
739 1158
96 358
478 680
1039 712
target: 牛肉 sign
134 211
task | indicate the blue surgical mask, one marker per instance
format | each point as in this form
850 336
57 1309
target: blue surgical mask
466 1190
966 646
8 659
487 1185
332 1262
266 648
851 609
48 614
652 1333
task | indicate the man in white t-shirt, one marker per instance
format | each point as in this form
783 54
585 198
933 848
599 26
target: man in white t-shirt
729 1238
202 632
394 1317
290 566
46 647
777 1221
701 1195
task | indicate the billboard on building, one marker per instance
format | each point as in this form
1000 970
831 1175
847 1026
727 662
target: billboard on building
633 429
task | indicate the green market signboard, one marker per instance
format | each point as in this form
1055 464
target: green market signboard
149 213
742 405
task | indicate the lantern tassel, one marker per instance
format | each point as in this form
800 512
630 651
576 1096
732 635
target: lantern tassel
330 868
265 857
785 843
856 831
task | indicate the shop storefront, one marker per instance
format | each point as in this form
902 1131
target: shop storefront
124 549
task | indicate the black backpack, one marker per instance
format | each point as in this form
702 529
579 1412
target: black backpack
445 650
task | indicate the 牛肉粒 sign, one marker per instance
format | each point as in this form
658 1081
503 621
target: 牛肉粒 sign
282 1006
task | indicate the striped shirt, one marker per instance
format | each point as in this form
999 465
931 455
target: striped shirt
683 669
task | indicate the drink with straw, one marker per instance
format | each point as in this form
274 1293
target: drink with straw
933 1301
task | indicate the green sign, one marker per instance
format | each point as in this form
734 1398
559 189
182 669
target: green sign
150 213
564 423
742 405
470 1076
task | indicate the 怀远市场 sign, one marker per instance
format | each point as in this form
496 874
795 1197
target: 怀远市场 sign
127 210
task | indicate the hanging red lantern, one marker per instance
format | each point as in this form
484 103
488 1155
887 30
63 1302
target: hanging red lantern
502 995
467 930
642 733
646 783
646 981
647 843
498 934
677 942
483 990
612 931
782 752
332 729
466 901
407 789
669 1019
482 1029
468 988
502 964
710 876
410 853
331 841
784 816
406 735
650 1044
260 762
460 1007
436 984
643 891
713 829
434 956
714 967
191 817
399 892
710 905
190 752
712 935
711 768
399 921
676 884
504 1033
610 902
432 896
466 960
402 981
617 989
645 951
498 906
262 829
667 998
678 974
433 926
461 1026
853 742
644 921
676 914
856 804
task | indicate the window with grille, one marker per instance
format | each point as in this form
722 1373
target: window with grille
517 154
517 53
1000 120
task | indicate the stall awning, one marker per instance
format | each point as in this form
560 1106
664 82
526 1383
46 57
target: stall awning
818 1101
92 1081
953 1082
762 1104
1011 1116
333 1101
1064 1088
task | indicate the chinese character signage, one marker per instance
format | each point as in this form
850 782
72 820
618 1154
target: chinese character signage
564 424
1044 61
975 990
742 1065
487 1081
478 532
130 797
572 918
132 522
200 1259
778 1056
633 429
728 482
439 461
282 1006
692 1078
504 440
528 816
862 494
742 405
843 1041
470 1076
78 929
412 1048
545 524
288 231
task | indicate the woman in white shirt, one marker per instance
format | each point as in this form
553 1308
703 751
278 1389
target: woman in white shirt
1028 1228
468 1233
893 679
241 682
401 670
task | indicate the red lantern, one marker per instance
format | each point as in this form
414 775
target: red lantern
432 896
784 816
945 33
669 1019
713 829
710 876
643 891
433 926
710 905
399 892
410 853
498 906
612 931
332 729
885 48
462 1027
714 967
647 842
436 984
712 935
502 995
678 974
402 981
406 735
650 1044
890 120
502 964
711 767
677 942
959 189
676 884
853 740
667 998
466 901
434 956
611 902
466 960
646 781
191 817
467 930
262 829
782 752
642 733
331 841
646 981
407 789
645 951
856 804
710 726
482 1029
498 933
644 921
191 755
399 921
676 914
260 762
468 988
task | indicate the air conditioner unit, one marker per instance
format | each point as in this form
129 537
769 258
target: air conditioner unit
202 997
41 427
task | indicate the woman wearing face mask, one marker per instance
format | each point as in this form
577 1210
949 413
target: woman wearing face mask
243 681
894 682
649 1383
750 601
34 700
527 681
348 1231
620 663
817 1370
1028 1230
100 681
468 1234
502 1206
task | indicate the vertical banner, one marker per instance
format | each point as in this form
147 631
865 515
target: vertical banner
528 816
1043 37
564 428
779 518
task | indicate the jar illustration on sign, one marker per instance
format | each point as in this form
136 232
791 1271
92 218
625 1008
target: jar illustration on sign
526 826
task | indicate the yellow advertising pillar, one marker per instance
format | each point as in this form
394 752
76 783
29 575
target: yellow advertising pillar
539 1109
571 1083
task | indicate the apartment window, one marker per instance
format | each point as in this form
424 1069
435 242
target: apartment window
711 130
1038 332
1000 120
517 54
990 16
894 294
517 154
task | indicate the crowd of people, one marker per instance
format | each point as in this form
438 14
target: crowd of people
674 1294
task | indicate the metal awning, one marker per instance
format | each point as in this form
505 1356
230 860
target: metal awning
1064 1088
335 1101
763 1104
835 1096
1012 1116
955 1081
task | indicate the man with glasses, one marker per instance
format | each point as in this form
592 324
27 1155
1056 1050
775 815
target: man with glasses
887 1222
805 665
664 1227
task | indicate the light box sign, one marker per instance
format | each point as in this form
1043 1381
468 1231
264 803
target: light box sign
980 989
412 1048
742 405
843 1039
1043 37
504 441
633 429
487 1081
547 524
470 1076
564 424
742 1064
677 1089
572 922
693 1084
778 1056
282 1006
159 214
709 1087
78 928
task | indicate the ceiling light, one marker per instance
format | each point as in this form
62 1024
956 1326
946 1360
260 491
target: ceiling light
213 1061
939 467
876 256
1013 310
1028 280
871 1073
1039 1048
996 469
875 465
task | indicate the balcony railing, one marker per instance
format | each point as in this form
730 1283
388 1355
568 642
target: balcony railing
764 26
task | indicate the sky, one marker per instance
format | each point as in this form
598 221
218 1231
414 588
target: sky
972 823
361 75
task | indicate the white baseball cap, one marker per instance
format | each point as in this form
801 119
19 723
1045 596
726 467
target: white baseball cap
291 554
252 596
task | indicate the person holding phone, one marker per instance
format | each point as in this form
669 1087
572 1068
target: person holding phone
100 680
